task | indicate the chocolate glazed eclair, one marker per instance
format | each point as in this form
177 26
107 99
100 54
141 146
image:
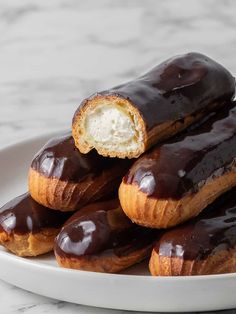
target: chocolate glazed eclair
61 177
126 120
28 228
177 180
101 238
203 246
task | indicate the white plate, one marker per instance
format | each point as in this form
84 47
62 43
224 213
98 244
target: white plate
133 290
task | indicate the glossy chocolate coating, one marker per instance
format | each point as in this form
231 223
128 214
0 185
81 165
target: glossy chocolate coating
91 234
59 158
23 215
213 230
183 165
179 87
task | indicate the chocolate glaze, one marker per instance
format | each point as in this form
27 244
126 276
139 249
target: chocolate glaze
180 86
92 234
59 158
184 164
22 215
213 230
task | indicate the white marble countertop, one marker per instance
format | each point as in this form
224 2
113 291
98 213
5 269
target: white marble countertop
55 52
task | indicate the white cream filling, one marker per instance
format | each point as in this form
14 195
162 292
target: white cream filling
110 126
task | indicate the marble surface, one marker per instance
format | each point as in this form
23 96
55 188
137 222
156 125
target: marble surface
55 52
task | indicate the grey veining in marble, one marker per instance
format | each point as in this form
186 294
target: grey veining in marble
53 53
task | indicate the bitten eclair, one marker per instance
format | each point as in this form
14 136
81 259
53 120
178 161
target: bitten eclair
204 245
101 238
177 180
126 120
61 177
28 228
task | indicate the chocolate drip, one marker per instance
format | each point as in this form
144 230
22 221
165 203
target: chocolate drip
213 230
176 88
59 158
22 215
184 164
92 234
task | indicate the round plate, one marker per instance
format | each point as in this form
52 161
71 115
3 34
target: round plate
132 290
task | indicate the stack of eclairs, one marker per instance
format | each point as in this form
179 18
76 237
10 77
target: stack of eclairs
147 172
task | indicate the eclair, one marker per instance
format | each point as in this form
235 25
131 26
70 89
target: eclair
128 119
28 228
101 238
63 178
204 245
177 180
